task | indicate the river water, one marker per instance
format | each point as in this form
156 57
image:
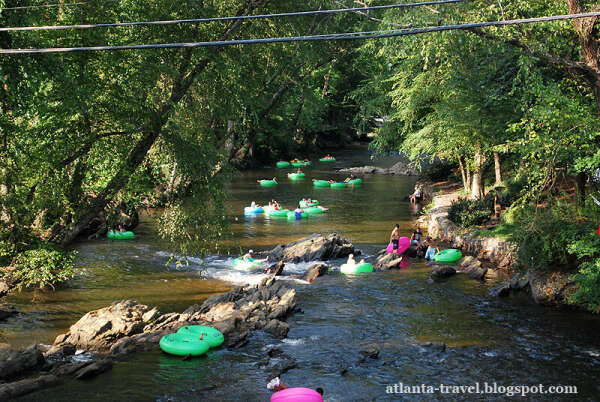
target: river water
504 341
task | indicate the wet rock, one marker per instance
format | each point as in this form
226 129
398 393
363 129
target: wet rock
314 272
276 269
7 311
438 347
94 369
19 388
69 369
314 247
472 267
274 352
278 328
519 282
99 329
387 260
368 352
441 272
56 352
500 290
281 365
14 363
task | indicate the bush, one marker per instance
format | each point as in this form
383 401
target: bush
43 267
440 171
588 279
469 213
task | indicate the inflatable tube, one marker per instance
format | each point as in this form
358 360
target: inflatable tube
282 164
307 163
355 181
252 211
279 213
327 160
213 336
240 263
304 204
321 183
356 268
120 235
183 345
268 183
313 210
296 176
297 164
448 255
291 216
296 395
403 245
338 185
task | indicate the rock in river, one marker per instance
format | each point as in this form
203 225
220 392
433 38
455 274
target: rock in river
314 247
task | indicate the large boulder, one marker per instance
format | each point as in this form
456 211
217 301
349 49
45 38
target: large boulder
472 267
387 260
314 272
314 247
99 329
14 363
551 288
441 272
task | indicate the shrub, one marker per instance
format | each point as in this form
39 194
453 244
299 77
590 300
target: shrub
43 267
469 213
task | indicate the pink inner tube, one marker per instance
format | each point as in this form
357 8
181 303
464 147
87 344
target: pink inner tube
403 245
296 395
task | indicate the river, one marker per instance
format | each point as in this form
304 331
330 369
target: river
504 341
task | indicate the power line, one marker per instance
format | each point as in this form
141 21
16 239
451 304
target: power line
50 5
232 18
312 38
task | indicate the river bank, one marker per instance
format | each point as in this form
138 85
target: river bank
495 260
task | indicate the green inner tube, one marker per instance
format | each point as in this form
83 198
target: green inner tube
297 164
338 185
448 255
355 181
307 163
268 183
120 235
291 216
280 213
356 269
313 210
183 344
327 160
304 204
213 336
321 183
282 164
296 176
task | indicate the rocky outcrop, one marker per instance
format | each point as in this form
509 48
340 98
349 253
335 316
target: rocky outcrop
399 168
499 253
99 329
312 248
387 260
126 327
551 288
314 272
472 267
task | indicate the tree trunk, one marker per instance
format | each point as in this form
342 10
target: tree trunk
151 131
590 46
581 180
463 173
478 189
497 168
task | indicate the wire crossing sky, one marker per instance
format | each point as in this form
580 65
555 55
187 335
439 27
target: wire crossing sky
232 18
327 37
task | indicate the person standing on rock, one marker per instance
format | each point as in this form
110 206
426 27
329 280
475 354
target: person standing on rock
395 237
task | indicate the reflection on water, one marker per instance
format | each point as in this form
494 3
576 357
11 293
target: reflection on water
508 341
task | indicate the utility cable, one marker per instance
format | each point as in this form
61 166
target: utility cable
326 37
232 18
